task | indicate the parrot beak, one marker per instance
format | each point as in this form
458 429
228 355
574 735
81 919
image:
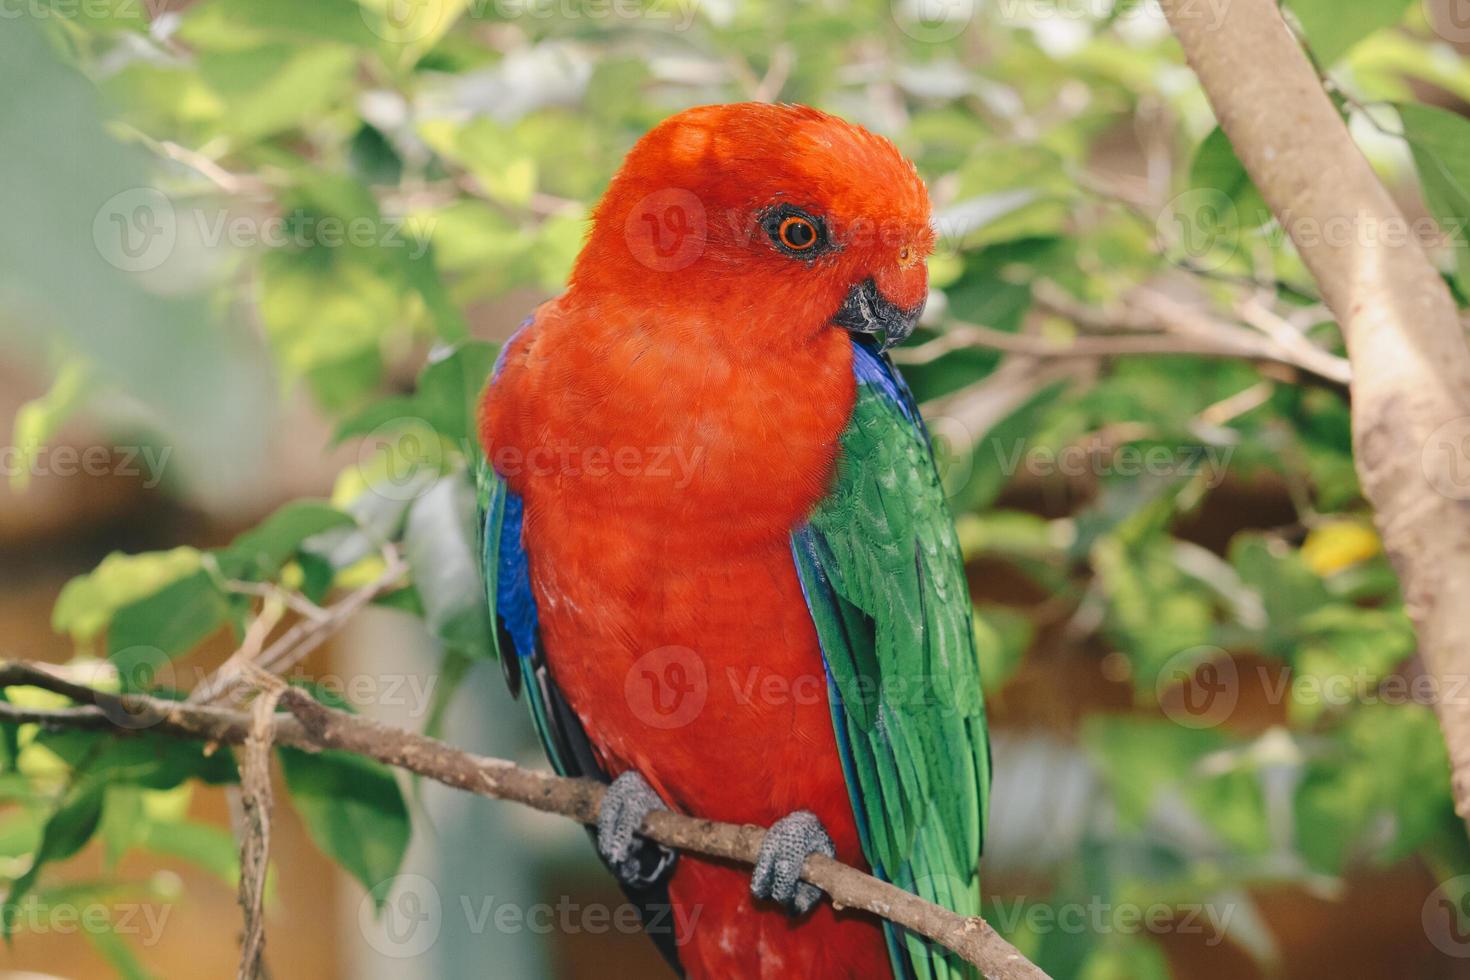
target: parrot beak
867 311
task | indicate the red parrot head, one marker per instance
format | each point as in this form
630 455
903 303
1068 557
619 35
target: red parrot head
758 224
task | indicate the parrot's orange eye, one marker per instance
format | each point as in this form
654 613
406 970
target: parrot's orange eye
797 233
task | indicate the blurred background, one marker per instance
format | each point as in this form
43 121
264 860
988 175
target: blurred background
255 253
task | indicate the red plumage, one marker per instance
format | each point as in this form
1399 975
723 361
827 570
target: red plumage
668 421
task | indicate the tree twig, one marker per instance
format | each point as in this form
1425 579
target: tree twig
310 725
300 640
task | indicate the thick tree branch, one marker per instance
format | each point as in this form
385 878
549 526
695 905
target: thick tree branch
307 724
1410 366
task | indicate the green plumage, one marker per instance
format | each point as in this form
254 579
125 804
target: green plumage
881 566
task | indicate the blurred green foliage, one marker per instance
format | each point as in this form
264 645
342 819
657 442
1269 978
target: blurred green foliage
353 178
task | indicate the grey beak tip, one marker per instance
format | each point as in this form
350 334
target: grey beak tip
866 310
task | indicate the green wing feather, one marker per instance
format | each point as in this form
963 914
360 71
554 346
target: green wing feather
881 567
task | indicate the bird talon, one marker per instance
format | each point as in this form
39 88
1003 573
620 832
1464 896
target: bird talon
783 852
635 860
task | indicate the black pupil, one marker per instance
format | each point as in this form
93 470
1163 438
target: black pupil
800 234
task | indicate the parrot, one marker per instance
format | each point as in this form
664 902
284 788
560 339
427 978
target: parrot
717 551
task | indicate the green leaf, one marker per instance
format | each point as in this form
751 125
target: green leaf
1125 957
1389 761
445 398
38 420
449 389
1002 637
68 830
440 544
261 552
1289 590
88 602
169 622
1440 143
1145 761
374 160
1216 167
422 272
204 845
123 823
353 809
1345 651
1334 26
241 23
116 951
1154 609
9 740
145 759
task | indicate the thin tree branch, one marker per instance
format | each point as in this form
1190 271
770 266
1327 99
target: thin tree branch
301 639
1148 323
1411 368
310 725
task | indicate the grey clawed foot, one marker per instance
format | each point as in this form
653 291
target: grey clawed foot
783 852
634 860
